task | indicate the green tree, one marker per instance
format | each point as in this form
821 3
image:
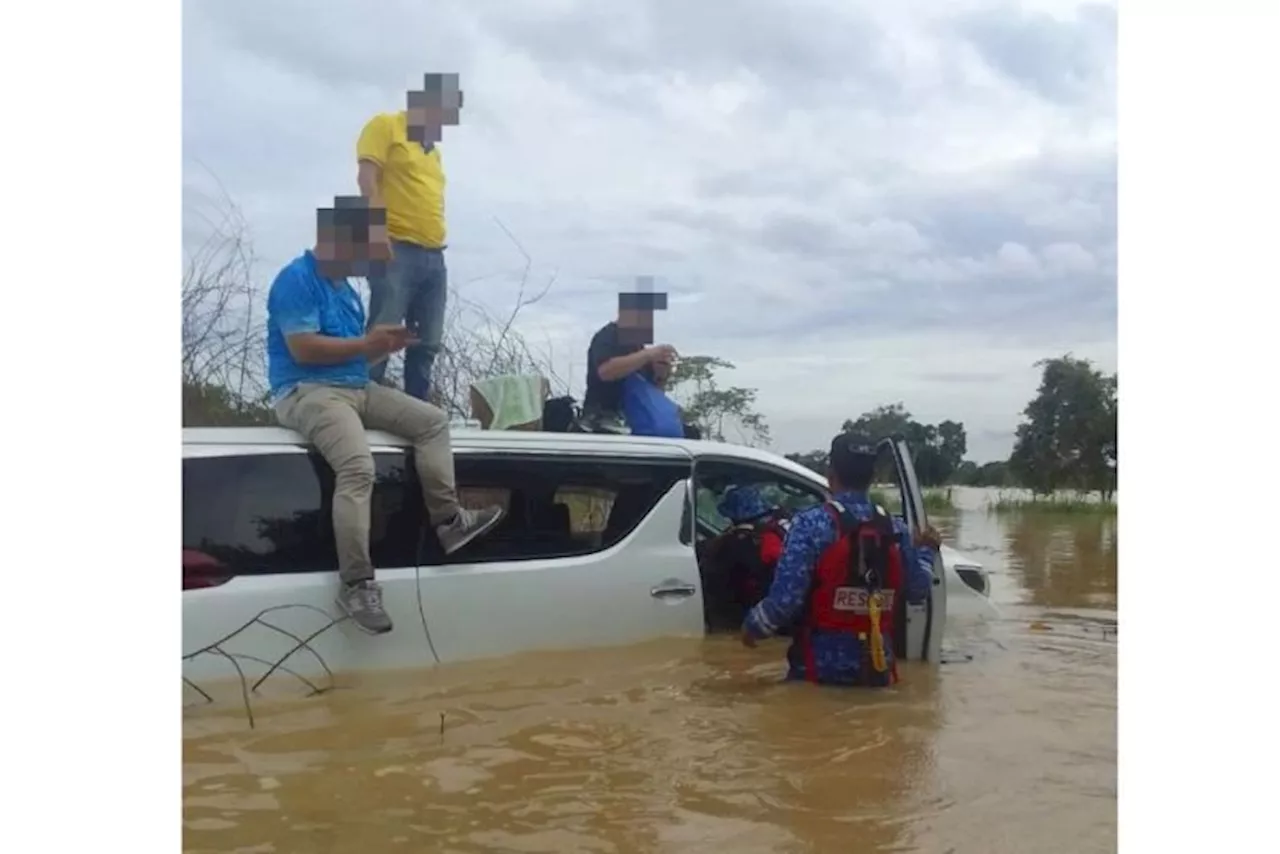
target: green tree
966 473
812 460
936 449
224 333
994 474
1106 463
1068 436
223 353
887 420
969 473
693 384
212 405
953 444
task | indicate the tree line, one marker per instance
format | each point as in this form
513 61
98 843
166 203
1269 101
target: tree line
224 345
1066 440
224 330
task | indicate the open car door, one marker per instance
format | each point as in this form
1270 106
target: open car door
924 623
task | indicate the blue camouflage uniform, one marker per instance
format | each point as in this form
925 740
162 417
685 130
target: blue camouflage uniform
742 504
838 657
748 511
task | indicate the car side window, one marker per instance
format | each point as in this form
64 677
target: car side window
267 514
557 506
789 494
707 500
791 497
589 508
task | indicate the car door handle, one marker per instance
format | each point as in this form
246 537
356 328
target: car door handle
673 590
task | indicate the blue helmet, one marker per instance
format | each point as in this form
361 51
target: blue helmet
742 504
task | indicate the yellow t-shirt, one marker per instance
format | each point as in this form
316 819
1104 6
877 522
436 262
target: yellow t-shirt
412 184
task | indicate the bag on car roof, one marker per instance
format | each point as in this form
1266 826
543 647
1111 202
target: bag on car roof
649 412
559 415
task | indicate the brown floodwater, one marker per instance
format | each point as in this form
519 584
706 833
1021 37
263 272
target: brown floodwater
695 745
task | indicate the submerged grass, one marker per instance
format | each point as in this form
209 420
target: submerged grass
1058 503
936 499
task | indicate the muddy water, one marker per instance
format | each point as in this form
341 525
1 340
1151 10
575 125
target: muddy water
688 745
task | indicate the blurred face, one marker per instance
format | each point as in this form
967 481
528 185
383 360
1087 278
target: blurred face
635 326
351 239
430 109
635 313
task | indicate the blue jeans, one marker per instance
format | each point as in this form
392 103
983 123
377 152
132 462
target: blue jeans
412 292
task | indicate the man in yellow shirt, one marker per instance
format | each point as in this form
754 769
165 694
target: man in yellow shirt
398 156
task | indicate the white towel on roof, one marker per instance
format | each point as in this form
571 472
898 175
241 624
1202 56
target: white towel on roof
513 399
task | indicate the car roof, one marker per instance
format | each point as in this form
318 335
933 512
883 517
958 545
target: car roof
520 441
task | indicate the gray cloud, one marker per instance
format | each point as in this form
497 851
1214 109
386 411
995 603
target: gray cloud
806 45
855 202
1064 60
961 377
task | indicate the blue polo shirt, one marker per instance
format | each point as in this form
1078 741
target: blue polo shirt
301 300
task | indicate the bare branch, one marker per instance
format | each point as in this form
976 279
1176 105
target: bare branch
224 336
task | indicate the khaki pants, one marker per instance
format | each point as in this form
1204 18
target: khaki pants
333 419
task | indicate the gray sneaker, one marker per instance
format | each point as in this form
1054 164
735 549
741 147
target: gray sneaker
605 422
466 526
362 602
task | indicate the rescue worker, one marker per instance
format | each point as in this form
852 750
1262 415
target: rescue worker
753 542
842 565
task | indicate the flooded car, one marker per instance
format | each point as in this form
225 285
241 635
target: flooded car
597 549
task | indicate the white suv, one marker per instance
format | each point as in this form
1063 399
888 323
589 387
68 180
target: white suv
597 549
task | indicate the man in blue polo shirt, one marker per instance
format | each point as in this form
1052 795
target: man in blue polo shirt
318 357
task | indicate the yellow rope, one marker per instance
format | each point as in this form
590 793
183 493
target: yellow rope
877 638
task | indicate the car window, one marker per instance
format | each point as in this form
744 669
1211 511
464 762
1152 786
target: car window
791 497
478 498
260 514
588 507
707 513
777 489
559 506
272 513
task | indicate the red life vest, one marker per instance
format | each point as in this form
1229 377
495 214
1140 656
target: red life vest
864 561
754 551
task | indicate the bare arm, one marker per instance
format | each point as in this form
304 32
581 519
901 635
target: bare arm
312 348
661 373
372 149
369 178
623 366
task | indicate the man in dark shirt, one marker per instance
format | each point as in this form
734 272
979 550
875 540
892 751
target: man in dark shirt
621 348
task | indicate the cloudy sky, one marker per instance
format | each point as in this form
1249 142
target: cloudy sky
856 202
